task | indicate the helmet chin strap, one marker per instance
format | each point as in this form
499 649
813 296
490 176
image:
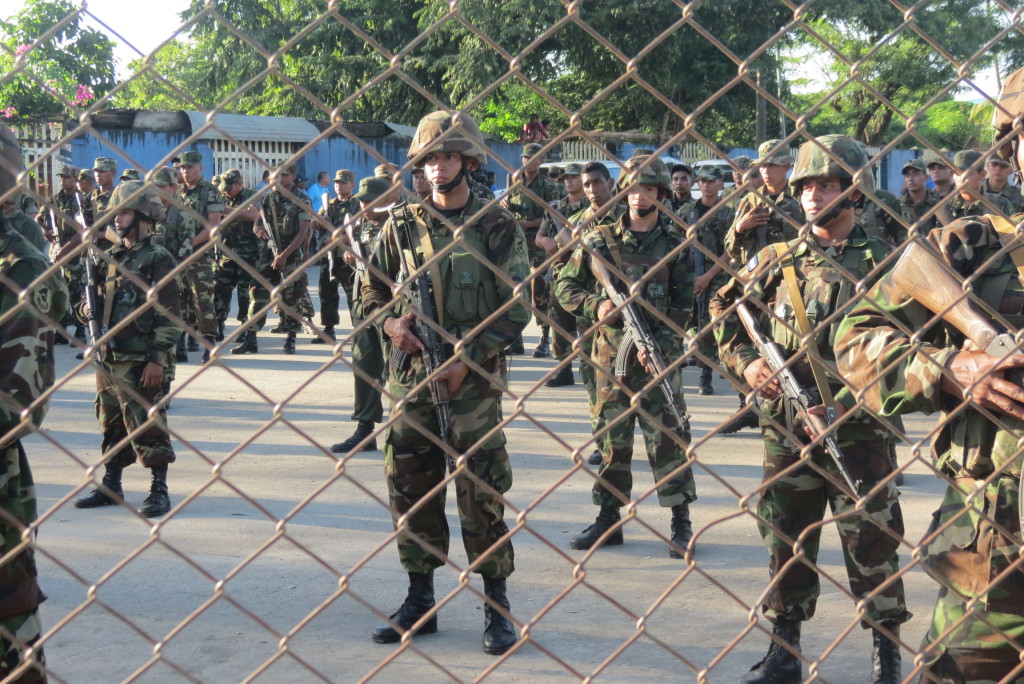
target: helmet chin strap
646 212
133 226
834 212
445 188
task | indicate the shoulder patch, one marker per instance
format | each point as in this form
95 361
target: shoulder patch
752 264
520 245
42 298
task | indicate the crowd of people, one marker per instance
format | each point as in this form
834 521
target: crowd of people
633 278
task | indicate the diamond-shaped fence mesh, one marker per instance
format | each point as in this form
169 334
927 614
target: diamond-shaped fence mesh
334 344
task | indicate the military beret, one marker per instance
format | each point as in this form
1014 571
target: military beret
344 176
573 169
190 158
681 167
531 149
914 164
964 159
104 164
229 178
371 188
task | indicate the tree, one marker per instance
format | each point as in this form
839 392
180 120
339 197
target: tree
67 69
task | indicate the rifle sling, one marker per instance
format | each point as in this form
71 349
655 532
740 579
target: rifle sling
433 268
796 298
613 246
110 285
273 228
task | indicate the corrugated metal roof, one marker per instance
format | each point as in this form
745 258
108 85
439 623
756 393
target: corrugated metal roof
244 127
407 131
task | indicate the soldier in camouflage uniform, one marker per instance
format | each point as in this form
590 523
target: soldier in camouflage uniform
998 182
470 291
940 172
420 185
23 224
134 360
710 276
239 253
553 236
529 215
796 488
744 179
26 373
174 233
916 201
642 247
335 212
970 199
682 187
367 347
973 545
202 206
104 170
57 219
86 183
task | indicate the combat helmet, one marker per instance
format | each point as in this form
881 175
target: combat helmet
432 135
821 157
142 198
646 170
11 165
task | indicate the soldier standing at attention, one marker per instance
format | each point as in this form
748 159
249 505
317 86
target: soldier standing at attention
797 280
104 170
552 237
335 212
420 184
239 254
941 173
642 247
134 360
529 215
57 220
970 198
473 297
998 182
682 189
26 373
917 199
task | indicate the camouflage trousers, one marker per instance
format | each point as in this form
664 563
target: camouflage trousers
124 422
540 289
293 297
232 277
368 373
976 666
414 465
706 345
20 626
327 288
74 276
665 452
201 286
561 342
793 504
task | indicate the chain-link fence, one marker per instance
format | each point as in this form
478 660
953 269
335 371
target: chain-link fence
304 372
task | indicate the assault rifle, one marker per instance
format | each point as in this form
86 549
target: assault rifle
94 323
420 297
357 249
798 396
637 334
271 237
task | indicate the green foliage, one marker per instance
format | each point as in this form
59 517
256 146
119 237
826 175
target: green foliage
61 74
949 125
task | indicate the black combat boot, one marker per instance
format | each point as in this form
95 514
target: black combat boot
885 656
363 430
682 531
543 349
279 328
499 632
105 494
595 458
562 378
206 352
180 353
418 601
289 344
516 348
220 331
192 344
704 387
608 516
247 344
158 502
328 333
779 666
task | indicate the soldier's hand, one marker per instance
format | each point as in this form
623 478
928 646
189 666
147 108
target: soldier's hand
278 263
643 357
260 232
350 258
981 374
152 374
701 284
547 244
752 220
50 236
454 375
822 410
605 312
757 376
400 332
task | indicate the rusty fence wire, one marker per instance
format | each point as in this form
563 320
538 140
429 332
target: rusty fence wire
279 557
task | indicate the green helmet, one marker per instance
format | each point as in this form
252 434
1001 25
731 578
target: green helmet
11 164
140 197
432 135
646 170
821 158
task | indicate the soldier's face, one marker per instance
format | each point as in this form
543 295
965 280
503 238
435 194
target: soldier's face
442 167
774 176
123 220
970 179
914 179
104 178
86 186
343 188
420 184
532 164
573 184
709 188
597 188
998 173
681 183
233 190
286 180
67 183
642 197
941 174
191 174
818 196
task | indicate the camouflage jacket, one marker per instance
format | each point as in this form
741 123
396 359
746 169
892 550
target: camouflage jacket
27 204
27 329
29 230
1010 192
237 234
174 234
524 208
367 234
196 206
481 191
711 235
551 225
680 206
96 210
335 212
472 291
959 207
286 217
913 211
145 332
665 298
826 292
64 206
743 246
881 220
583 222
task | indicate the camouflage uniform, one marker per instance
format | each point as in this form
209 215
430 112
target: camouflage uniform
237 260
26 372
959 207
285 218
563 320
65 206
414 464
974 538
197 205
913 211
711 235
342 274
880 221
95 210
742 246
669 292
367 346
1010 192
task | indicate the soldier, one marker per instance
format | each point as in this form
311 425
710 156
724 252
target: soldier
174 233
711 233
941 173
682 188
375 194
134 360
529 215
642 246
22 223
330 301
57 222
239 252
974 545
744 178
26 203
420 184
129 174
86 183
551 238
970 198
202 205
796 486
288 230
26 375
104 169
480 303
917 200
998 182
476 178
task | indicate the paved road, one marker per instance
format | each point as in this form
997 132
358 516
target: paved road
278 559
